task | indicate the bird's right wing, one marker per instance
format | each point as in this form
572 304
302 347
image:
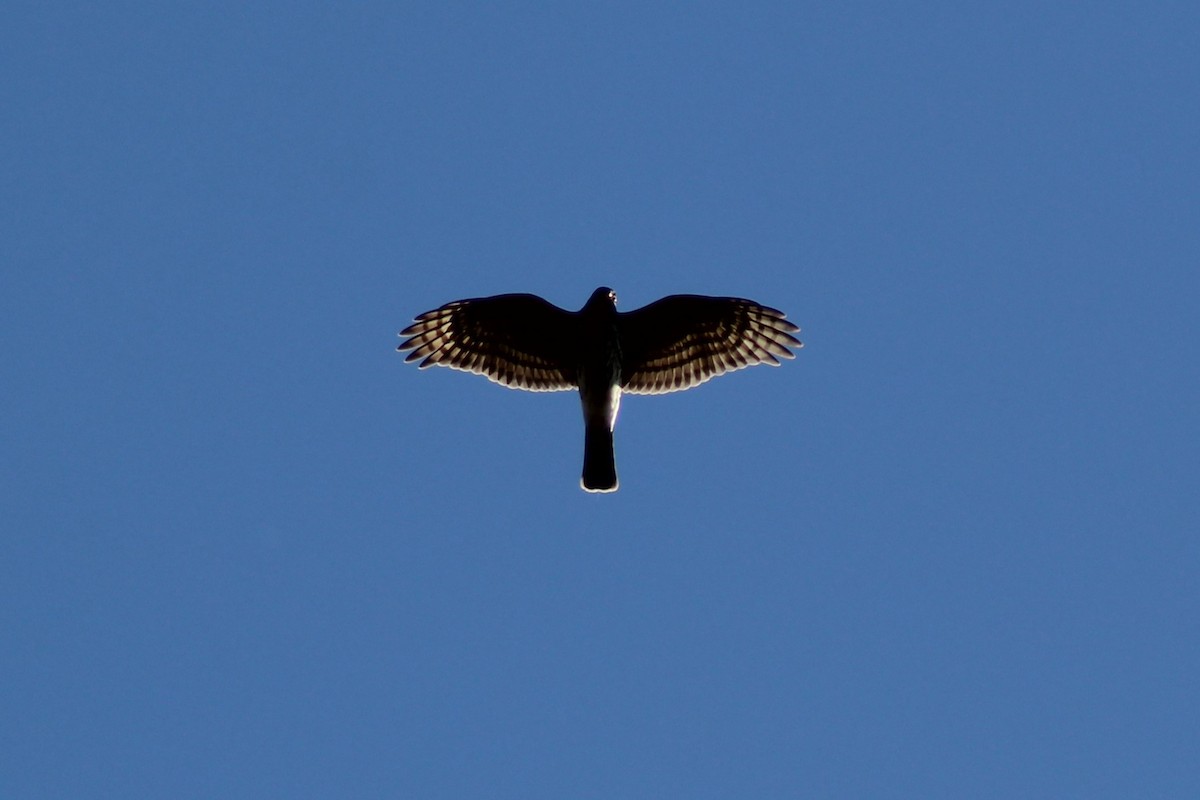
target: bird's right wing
685 339
517 340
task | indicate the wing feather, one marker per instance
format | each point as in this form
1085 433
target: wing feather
684 340
517 340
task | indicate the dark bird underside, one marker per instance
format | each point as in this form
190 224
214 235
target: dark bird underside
523 342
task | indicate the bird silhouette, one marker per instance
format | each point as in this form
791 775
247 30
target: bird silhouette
524 342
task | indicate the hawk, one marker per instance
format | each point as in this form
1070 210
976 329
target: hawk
523 342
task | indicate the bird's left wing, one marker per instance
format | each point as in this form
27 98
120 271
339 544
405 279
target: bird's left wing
517 340
683 340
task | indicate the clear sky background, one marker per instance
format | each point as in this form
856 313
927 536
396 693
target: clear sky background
951 550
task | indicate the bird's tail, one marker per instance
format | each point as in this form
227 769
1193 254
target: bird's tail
599 463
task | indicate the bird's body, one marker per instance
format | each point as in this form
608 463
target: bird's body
524 342
599 373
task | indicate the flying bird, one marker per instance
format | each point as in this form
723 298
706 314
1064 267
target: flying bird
524 342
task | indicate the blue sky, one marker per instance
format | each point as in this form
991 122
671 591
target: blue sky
950 550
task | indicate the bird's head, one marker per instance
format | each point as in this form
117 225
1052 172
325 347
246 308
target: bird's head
603 296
